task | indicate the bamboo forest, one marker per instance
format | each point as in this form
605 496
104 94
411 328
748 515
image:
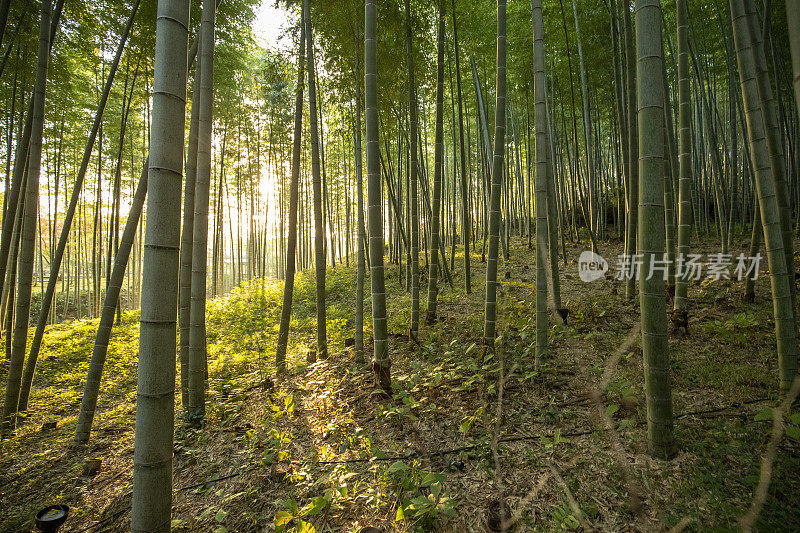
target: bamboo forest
375 266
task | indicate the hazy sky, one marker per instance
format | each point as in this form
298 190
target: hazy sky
270 24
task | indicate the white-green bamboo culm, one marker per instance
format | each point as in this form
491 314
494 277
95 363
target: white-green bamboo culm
785 332
30 215
651 237
684 161
489 328
195 411
155 393
541 200
438 170
381 363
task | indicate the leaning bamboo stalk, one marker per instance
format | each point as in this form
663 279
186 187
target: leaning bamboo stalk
100 350
27 244
774 144
785 332
55 264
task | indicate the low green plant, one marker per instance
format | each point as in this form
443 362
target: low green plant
420 496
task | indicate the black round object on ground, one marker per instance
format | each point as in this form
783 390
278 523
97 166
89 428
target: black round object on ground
51 518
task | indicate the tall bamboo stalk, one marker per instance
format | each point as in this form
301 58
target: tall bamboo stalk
465 213
633 149
360 231
489 328
438 170
69 216
195 410
381 362
413 176
655 344
187 237
793 21
785 331
541 155
319 221
684 163
27 244
294 200
152 462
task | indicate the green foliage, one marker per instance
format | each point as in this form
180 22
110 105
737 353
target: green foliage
564 519
738 329
791 421
419 495
242 326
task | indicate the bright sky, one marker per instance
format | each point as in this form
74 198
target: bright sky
270 24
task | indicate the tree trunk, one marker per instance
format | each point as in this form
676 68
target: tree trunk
655 345
95 373
359 322
554 283
20 166
381 363
774 144
541 202
294 199
755 245
793 21
413 176
633 151
433 274
8 315
465 213
187 232
152 462
319 221
685 165
28 235
785 331
591 177
496 181
55 264
195 410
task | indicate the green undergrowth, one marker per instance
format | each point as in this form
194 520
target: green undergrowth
242 326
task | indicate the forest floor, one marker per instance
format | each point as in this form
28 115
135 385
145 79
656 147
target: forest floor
321 451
